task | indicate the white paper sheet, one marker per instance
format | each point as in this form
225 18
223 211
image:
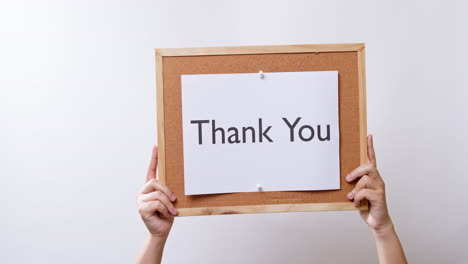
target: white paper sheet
240 100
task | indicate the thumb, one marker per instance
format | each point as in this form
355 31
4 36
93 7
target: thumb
151 174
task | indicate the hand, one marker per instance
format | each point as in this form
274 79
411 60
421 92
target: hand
155 202
370 186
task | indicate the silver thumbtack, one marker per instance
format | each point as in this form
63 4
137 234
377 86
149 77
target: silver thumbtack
262 76
259 188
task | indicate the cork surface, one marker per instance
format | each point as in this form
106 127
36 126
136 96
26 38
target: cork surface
346 63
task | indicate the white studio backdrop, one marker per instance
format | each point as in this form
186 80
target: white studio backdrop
77 123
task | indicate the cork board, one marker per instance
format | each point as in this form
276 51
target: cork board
347 59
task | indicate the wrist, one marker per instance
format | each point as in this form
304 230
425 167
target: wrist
159 234
384 230
153 249
157 241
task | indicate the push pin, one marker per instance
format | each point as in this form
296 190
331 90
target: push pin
259 188
262 76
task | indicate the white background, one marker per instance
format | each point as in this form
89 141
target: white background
240 100
77 122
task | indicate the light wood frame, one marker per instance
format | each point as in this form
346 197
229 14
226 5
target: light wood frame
309 48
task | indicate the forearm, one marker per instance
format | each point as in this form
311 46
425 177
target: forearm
389 248
152 250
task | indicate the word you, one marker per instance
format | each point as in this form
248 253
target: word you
259 134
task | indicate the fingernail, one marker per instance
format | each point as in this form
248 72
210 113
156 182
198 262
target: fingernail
174 211
350 195
173 198
348 178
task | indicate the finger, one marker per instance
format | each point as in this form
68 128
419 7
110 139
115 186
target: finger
151 174
364 182
159 195
148 209
359 172
369 194
154 185
370 150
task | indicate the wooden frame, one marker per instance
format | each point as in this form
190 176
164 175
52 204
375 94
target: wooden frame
316 48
